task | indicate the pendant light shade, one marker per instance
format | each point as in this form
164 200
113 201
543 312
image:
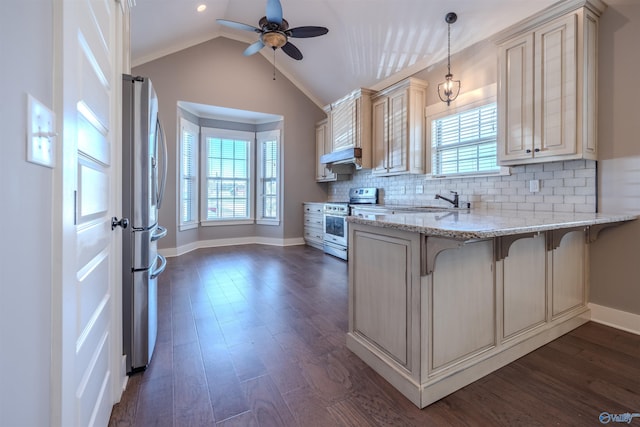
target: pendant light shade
449 89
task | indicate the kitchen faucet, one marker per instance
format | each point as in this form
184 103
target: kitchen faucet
455 200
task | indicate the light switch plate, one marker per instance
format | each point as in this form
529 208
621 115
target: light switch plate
41 135
534 185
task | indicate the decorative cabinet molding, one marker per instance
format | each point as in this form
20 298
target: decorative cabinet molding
547 91
313 224
398 132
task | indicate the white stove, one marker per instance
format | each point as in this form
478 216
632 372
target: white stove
335 220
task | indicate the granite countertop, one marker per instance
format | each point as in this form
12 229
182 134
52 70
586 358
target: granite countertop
469 224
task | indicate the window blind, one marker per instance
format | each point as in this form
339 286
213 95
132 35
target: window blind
188 173
269 179
466 142
227 174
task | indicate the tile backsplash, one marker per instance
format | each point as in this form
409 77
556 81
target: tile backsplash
567 186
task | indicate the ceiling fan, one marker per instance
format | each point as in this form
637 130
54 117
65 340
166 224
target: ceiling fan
275 32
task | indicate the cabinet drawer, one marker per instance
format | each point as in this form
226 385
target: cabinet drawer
315 208
313 221
313 234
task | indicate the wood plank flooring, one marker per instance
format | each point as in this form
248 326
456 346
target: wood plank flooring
255 336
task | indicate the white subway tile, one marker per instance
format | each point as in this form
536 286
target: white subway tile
561 207
543 207
564 173
553 166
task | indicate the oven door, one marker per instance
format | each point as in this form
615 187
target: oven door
335 229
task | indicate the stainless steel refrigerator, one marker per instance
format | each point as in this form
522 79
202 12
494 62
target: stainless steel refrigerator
144 171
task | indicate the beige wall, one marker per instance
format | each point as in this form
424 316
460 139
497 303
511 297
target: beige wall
216 73
26 191
615 273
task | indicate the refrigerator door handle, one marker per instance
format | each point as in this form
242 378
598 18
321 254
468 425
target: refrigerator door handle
158 233
163 179
163 264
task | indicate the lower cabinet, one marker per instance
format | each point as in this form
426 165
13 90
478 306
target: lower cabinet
432 314
313 224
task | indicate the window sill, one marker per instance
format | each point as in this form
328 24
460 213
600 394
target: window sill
188 226
268 222
502 172
220 222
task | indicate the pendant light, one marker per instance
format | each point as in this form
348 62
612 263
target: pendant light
449 89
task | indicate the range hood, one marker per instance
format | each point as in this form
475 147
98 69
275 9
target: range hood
343 161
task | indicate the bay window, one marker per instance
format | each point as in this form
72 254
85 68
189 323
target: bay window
227 165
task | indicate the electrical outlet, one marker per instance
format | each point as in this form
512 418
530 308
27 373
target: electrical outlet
402 189
419 189
534 185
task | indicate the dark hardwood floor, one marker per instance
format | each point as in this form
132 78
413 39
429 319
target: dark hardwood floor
255 336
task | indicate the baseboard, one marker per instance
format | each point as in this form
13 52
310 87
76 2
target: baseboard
214 243
618 319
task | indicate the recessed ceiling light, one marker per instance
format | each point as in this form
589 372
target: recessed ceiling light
201 8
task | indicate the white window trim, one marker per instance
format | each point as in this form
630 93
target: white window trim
227 133
261 137
466 101
195 130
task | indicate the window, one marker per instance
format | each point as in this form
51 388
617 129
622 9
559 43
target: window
227 166
465 142
188 174
268 211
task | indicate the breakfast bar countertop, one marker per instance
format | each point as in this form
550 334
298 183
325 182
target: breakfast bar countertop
470 224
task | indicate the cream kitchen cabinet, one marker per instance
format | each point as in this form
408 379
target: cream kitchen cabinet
398 133
432 314
313 224
350 125
323 146
548 86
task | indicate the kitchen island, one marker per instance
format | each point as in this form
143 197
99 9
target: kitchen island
441 297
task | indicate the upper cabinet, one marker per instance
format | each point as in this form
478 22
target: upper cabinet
323 146
350 126
398 132
547 86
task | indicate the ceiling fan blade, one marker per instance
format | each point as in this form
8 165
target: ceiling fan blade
305 32
274 11
292 51
253 48
238 25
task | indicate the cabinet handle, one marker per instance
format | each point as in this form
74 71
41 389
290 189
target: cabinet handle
528 150
537 150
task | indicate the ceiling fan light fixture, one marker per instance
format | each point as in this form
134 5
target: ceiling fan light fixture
275 32
449 89
274 39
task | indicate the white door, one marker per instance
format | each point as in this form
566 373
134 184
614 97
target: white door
86 329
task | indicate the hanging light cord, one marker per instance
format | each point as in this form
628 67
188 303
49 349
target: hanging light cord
448 48
274 63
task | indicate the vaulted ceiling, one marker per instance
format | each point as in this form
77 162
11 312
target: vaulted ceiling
371 43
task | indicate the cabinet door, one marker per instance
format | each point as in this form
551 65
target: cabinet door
556 87
384 292
380 135
323 146
515 97
397 157
343 125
